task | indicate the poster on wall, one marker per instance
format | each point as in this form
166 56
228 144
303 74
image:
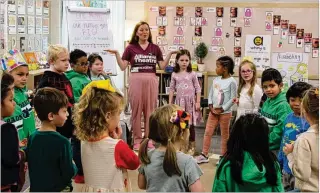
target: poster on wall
258 47
293 67
21 7
38 7
30 7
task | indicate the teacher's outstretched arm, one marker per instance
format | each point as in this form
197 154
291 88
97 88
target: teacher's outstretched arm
123 64
165 62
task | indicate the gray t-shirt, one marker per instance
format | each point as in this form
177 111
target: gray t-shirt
159 181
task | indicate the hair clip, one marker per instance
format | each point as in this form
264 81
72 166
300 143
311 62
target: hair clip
101 84
180 118
316 91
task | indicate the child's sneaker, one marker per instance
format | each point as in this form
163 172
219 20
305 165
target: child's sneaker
79 179
202 159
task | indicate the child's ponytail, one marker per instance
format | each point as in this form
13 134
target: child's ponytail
143 152
170 165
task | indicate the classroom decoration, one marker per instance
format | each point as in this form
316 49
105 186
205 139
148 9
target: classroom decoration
89 31
276 24
23 23
259 48
293 66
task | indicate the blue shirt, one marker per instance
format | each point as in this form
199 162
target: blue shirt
293 126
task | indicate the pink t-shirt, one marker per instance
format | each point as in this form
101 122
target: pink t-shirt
143 60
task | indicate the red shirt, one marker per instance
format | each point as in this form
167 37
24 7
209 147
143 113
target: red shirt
143 60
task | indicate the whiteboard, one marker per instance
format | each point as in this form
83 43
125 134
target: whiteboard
88 30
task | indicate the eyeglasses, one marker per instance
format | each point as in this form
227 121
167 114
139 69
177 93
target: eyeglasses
83 64
246 71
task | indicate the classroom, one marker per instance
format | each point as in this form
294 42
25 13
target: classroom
219 70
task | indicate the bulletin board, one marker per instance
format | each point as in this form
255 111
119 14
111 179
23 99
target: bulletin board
27 25
257 23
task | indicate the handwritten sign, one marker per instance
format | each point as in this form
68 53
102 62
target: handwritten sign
293 66
89 31
258 47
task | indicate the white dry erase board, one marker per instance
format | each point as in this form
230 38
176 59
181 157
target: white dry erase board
88 30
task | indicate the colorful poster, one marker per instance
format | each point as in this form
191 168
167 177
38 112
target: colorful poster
293 67
258 47
46 5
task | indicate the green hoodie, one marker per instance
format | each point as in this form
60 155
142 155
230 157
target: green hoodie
23 116
275 111
78 82
254 180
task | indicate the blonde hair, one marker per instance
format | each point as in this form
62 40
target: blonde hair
91 111
54 51
166 133
253 80
310 103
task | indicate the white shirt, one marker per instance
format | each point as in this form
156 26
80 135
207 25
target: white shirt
248 104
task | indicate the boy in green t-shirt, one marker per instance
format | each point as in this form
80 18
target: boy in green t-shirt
23 116
49 154
276 108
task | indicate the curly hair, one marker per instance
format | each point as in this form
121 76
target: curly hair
90 113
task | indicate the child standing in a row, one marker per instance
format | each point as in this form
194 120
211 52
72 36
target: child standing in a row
220 99
303 155
186 84
105 157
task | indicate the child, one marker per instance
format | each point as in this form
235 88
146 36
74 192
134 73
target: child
275 109
95 71
249 92
221 95
303 155
23 116
78 75
186 84
10 155
49 154
166 169
248 165
58 59
293 126
79 79
105 158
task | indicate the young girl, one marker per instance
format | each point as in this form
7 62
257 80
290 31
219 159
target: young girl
248 165
303 155
105 158
186 84
249 92
166 169
95 71
220 98
10 155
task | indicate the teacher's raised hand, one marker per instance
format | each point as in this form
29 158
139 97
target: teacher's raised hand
111 51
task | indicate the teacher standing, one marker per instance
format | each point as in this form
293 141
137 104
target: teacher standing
143 56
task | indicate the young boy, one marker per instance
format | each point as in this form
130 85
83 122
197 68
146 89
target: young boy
49 154
275 109
79 79
58 59
293 126
23 116
78 75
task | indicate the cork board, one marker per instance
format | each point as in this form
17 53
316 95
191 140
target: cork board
257 27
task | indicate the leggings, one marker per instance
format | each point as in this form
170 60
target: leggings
212 123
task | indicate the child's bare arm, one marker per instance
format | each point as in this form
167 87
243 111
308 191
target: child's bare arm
196 187
142 184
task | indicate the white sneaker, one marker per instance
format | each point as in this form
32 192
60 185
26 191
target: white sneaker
202 159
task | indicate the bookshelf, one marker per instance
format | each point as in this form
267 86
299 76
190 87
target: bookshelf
164 84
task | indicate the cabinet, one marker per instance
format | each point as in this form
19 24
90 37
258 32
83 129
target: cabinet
164 84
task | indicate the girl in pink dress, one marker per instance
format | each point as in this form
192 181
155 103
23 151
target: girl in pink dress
188 92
